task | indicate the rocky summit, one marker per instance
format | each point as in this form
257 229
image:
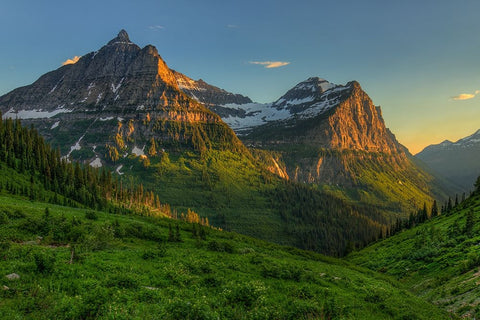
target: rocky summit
112 102
124 100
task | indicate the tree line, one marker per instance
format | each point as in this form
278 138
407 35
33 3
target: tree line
55 179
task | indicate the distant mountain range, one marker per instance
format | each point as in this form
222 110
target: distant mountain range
122 107
458 161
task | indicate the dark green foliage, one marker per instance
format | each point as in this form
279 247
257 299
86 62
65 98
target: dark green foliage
86 271
435 211
214 245
44 261
318 220
3 218
469 222
53 179
438 258
91 215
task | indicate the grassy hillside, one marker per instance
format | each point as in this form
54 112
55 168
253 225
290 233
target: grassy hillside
438 260
74 263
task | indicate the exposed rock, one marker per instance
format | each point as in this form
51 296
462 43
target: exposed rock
79 106
213 97
12 276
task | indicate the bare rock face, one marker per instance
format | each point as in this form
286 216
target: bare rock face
121 89
212 97
334 135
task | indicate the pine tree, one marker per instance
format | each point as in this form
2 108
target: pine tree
449 205
456 200
177 234
469 223
434 211
171 237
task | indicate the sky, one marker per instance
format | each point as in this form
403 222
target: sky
419 60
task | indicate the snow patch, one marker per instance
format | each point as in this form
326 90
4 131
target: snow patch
118 169
137 151
55 125
76 146
99 98
106 119
56 85
120 119
97 163
34 114
142 107
116 87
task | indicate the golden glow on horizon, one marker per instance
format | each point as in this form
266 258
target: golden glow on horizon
71 61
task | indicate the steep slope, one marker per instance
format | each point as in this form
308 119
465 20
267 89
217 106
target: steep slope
457 161
334 136
438 260
66 263
121 108
116 101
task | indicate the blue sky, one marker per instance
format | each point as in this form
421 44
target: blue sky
411 57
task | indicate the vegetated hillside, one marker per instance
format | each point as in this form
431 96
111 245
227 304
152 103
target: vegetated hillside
66 263
122 109
226 187
347 147
438 260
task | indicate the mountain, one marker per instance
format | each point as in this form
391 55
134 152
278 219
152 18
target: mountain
333 135
438 260
457 161
320 159
105 263
121 108
113 102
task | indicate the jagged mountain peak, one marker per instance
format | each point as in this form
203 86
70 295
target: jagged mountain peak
122 37
308 88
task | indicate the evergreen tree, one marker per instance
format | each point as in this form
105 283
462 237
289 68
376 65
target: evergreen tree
434 211
456 200
449 205
469 222
177 234
171 237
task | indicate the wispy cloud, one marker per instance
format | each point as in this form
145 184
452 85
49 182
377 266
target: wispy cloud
466 96
270 64
232 26
156 27
71 61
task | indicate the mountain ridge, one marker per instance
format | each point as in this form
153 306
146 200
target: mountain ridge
457 161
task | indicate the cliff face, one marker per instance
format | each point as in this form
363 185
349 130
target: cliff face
85 105
335 135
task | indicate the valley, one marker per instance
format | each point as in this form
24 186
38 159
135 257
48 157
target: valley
129 190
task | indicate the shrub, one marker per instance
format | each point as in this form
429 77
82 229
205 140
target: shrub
245 294
44 261
16 214
3 218
122 281
91 215
220 246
